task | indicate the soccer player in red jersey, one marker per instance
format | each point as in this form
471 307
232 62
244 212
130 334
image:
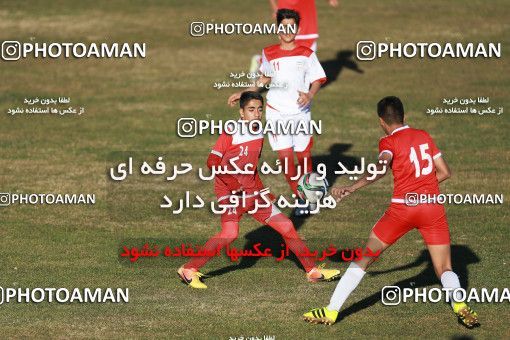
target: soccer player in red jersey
418 167
298 68
246 147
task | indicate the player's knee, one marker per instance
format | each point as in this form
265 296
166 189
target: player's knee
229 235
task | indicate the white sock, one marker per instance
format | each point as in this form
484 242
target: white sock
349 281
450 280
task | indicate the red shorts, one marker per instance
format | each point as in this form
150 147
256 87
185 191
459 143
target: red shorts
261 214
429 219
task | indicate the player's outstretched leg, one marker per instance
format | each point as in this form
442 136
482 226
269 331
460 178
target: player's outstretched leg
349 281
189 273
283 225
441 260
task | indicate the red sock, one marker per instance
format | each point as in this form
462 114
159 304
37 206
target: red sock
286 156
305 158
283 225
228 234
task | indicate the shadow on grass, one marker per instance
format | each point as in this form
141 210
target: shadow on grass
462 256
272 239
333 67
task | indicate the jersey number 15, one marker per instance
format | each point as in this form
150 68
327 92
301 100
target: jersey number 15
424 156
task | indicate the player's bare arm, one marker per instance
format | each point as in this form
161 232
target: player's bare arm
259 83
382 168
306 97
442 169
274 8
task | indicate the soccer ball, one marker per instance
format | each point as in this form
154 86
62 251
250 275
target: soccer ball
311 188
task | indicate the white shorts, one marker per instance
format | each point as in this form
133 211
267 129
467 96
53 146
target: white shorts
298 142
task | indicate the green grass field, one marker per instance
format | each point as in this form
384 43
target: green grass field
131 109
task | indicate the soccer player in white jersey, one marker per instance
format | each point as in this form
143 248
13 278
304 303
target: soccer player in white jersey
308 27
296 76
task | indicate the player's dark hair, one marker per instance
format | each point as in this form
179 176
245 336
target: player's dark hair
391 110
249 95
285 13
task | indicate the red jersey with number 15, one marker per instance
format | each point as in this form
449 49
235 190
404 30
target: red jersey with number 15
413 152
